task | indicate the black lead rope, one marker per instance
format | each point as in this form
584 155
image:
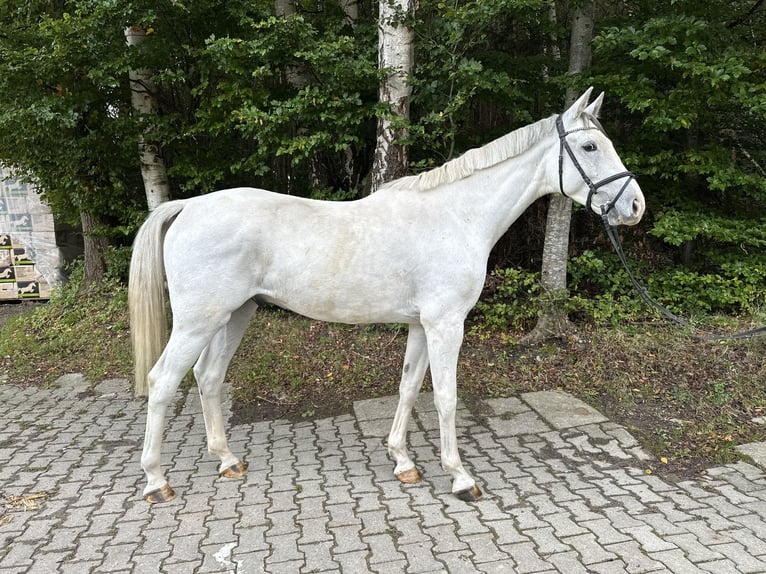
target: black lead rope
698 333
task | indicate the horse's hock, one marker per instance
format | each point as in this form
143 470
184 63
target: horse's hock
29 255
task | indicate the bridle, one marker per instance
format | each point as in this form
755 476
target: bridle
606 207
612 233
592 187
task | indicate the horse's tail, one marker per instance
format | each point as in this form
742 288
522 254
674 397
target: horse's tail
146 292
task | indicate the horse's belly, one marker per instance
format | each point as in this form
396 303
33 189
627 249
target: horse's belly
345 307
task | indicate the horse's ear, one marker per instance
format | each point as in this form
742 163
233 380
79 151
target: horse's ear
595 106
577 108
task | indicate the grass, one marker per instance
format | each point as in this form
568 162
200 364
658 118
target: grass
689 402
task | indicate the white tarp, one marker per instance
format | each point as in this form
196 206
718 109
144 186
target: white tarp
29 256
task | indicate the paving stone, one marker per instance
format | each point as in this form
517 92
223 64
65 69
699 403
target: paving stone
383 549
745 562
458 561
484 548
636 561
590 551
523 423
355 561
568 562
676 561
420 558
756 451
526 558
318 557
693 550
545 541
562 410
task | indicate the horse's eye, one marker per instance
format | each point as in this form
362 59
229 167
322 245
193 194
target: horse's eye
590 146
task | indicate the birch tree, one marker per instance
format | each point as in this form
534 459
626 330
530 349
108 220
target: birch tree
553 321
144 100
396 56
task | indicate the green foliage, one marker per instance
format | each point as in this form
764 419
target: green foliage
117 261
601 292
252 99
63 107
466 61
676 227
290 104
510 301
736 289
697 90
299 91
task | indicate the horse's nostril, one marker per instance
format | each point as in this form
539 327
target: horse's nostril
638 207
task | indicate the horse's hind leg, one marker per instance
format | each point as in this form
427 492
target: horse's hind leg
179 355
415 365
210 372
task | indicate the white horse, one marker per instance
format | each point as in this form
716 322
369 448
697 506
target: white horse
23 221
29 288
414 252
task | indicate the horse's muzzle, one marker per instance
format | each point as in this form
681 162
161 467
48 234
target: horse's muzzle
628 210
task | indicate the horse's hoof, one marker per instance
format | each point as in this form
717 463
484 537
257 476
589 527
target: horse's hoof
471 495
162 494
236 470
410 476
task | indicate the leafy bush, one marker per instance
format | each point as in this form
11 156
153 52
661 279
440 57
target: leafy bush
509 300
601 292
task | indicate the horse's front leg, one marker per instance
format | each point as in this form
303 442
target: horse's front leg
210 371
415 365
444 340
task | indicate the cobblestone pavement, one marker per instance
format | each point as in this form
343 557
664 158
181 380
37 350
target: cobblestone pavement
565 491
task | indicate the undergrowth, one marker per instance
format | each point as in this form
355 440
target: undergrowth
601 293
84 332
688 401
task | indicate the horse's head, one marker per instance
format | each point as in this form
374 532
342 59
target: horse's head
589 169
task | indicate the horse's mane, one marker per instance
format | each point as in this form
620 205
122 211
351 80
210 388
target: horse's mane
501 149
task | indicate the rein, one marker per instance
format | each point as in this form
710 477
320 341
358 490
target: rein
699 333
615 240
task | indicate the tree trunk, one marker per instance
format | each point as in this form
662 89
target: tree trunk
350 11
284 8
396 55
553 321
295 75
297 78
144 100
95 247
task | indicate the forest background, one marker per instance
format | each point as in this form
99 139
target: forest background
290 103
248 95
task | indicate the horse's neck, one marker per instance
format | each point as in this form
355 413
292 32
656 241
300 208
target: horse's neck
495 197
